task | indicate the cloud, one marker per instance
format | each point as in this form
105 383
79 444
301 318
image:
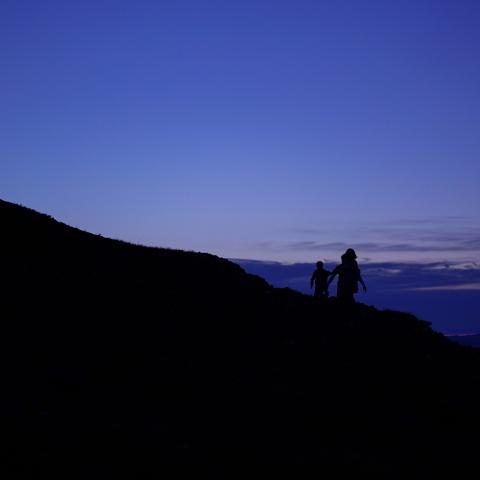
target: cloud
310 245
447 288
307 231
435 235
241 261
441 220
384 276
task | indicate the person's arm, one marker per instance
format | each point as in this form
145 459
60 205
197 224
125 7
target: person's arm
332 276
326 283
312 279
359 276
360 279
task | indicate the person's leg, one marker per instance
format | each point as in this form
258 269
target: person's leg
345 294
342 292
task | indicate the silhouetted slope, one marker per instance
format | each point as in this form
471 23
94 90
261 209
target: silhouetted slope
469 340
122 358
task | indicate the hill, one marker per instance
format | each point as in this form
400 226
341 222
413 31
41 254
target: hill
123 358
470 340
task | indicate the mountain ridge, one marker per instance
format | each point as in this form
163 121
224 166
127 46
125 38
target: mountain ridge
182 358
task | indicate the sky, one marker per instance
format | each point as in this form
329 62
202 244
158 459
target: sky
282 130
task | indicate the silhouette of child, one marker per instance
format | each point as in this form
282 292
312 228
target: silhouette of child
319 277
348 277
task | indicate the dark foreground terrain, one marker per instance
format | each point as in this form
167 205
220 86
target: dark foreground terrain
470 340
122 359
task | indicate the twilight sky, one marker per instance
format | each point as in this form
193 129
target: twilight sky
276 130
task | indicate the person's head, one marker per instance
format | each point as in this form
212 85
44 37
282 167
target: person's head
350 254
320 265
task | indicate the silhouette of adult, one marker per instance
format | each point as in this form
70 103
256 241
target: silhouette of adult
320 277
348 277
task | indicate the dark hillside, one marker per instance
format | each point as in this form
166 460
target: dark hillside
470 340
123 358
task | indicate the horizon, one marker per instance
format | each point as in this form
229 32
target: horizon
461 262
443 293
454 249
446 295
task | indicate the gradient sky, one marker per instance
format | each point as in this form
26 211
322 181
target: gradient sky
282 130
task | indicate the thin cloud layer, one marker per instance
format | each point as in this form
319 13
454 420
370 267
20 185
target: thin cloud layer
424 242
434 237
449 288
408 240
387 275
465 245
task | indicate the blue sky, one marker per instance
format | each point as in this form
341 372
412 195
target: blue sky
273 130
